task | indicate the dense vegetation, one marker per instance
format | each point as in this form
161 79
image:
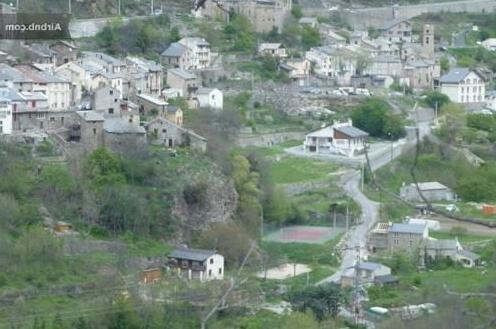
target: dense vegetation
376 117
143 37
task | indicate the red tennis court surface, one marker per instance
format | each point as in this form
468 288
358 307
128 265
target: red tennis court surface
303 234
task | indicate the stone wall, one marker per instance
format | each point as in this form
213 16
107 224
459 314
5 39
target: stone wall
375 17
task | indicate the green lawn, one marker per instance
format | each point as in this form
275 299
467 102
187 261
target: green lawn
296 170
267 151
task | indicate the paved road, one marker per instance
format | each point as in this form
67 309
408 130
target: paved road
357 236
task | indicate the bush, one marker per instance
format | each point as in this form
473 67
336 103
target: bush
375 117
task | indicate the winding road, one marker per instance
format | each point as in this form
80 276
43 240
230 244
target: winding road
357 236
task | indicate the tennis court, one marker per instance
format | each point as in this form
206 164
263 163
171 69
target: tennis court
304 234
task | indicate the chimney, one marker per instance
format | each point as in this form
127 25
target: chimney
396 9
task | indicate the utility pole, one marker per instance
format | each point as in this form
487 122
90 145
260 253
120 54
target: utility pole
347 218
261 223
363 174
151 7
70 6
119 9
233 285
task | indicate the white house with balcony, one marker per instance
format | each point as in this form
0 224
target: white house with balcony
5 117
198 264
340 138
272 49
198 52
463 85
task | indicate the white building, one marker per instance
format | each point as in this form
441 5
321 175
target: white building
198 52
336 62
198 263
5 117
463 85
340 138
210 98
489 44
273 49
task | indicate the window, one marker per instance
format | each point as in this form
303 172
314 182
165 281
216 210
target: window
211 260
209 272
111 110
94 131
220 270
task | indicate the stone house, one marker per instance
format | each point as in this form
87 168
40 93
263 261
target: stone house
13 78
272 49
64 51
176 56
210 98
328 34
397 237
151 71
106 100
422 73
432 191
107 79
122 136
187 82
385 65
80 79
198 264
463 85
90 124
163 132
109 64
340 138
30 112
150 275
296 69
366 271
174 114
148 104
397 31
404 237
265 15
434 249
58 91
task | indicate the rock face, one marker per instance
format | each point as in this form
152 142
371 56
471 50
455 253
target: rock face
206 199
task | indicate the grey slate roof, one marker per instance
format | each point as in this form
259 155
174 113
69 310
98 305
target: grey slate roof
392 23
175 50
351 131
182 73
369 266
457 74
91 115
11 74
121 126
442 244
385 279
468 254
172 108
407 228
192 254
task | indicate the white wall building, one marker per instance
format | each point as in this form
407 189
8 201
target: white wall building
5 117
273 49
198 263
210 98
198 52
340 138
463 85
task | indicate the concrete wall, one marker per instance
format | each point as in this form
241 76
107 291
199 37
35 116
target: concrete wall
376 17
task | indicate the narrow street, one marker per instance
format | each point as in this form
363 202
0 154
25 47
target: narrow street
357 236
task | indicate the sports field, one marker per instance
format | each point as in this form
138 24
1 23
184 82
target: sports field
303 234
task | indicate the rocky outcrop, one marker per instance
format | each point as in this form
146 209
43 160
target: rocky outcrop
204 200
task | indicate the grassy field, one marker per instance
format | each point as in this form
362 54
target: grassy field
267 151
296 170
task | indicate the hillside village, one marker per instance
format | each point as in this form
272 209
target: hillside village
250 164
